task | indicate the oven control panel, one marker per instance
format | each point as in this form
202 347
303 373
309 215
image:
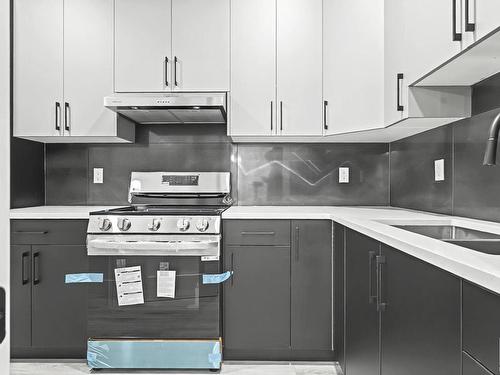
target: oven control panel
115 224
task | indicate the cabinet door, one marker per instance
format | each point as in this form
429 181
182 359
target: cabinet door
143 45
481 326
257 298
471 367
339 321
253 67
59 310
395 75
421 321
353 71
200 43
362 318
20 297
482 16
88 67
299 67
311 305
38 67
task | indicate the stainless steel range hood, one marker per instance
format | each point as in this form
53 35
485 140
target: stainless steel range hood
170 108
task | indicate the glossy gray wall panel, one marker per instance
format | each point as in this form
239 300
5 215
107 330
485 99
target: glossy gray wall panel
66 175
477 187
412 171
307 174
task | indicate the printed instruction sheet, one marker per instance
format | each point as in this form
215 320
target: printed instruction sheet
165 284
129 286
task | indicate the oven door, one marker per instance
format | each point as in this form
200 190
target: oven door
194 312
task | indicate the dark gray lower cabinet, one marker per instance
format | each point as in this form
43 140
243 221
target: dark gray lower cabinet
362 319
278 305
421 321
471 367
339 282
402 316
48 317
481 325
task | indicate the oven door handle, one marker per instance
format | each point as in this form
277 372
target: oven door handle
170 248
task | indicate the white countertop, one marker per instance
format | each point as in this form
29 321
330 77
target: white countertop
55 212
482 269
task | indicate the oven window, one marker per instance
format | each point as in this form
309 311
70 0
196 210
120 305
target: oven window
192 314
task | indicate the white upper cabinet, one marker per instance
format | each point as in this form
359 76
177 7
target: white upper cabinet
38 66
143 45
299 67
253 68
87 54
200 45
353 72
480 17
167 45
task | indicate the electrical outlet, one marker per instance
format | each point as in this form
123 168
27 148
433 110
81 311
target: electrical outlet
343 175
439 170
98 175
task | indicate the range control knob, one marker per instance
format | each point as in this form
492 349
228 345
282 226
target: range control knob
123 224
202 225
154 225
183 224
104 224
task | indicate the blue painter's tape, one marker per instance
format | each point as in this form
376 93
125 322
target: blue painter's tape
73 278
215 359
216 278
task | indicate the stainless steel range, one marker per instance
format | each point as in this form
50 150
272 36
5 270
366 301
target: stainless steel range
158 305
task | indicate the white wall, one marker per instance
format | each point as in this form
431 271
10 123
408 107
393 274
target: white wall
4 165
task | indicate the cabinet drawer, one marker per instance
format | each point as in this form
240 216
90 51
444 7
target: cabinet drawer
481 326
40 232
257 232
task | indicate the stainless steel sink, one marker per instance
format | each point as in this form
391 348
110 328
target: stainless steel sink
484 242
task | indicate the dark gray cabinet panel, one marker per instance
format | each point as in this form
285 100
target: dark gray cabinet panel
20 291
481 325
471 367
362 318
48 232
338 328
257 232
59 309
311 296
421 321
257 298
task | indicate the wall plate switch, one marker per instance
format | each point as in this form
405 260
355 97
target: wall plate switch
343 175
439 170
98 175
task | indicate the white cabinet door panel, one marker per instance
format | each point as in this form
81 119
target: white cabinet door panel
253 67
38 62
299 67
142 44
200 42
353 68
88 66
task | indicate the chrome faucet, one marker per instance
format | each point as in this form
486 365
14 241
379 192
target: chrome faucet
490 155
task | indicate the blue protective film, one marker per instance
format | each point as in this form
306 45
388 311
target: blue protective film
216 278
73 278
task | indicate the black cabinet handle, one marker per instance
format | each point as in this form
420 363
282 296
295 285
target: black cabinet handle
175 71
30 232
36 268
232 269
25 266
469 26
297 246
67 117
272 115
399 82
381 305
371 297
325 114
58 116
166 71
3 313
456 35
281 115
258 233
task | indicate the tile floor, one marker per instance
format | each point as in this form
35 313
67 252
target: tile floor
235 368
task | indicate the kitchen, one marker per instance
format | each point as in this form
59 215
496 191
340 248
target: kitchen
253 186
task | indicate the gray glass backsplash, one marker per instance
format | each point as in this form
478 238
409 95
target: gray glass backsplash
278 174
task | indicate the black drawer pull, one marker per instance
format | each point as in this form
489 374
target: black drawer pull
25 266
30 232
36 268
399 79
166 71
371 297
258 233
381 304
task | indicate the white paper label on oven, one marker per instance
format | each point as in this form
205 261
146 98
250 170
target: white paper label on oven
208 258
165 284
129 286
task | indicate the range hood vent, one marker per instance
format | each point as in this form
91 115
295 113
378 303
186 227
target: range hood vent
170 108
